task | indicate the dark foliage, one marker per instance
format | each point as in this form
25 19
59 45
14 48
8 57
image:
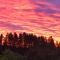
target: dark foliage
29 46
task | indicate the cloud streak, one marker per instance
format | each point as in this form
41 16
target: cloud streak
40 17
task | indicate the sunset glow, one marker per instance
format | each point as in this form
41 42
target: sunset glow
40 17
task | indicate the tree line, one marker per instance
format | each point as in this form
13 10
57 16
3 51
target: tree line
25 40
29 46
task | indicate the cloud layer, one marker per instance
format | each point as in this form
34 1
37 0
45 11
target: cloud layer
40 17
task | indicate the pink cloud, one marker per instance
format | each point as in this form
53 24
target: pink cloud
20 16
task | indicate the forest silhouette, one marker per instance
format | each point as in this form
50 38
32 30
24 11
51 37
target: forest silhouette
29 46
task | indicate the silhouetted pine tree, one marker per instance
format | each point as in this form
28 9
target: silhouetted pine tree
20 39
10 38
43 41
25 38
6 41
1 38
51 42
15 36
30 39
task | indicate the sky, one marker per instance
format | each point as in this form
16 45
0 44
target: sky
40 17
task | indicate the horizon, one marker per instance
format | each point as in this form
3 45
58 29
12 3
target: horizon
46 37
40 17
13 35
